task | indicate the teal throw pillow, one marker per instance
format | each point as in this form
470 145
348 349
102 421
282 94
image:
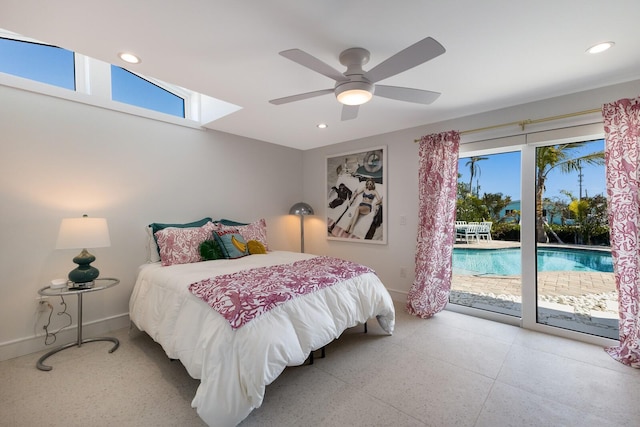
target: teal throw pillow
231 243
230 222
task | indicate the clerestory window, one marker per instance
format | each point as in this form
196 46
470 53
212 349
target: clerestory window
94 82
56 66
132 89
39 62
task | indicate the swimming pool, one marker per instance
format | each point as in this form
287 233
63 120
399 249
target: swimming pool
506 262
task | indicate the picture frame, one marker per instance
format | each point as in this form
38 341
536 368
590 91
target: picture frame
356 196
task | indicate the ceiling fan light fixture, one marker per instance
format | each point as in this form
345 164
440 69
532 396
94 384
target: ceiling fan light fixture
354 93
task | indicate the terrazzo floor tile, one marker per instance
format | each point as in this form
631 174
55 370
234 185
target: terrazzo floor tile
449 370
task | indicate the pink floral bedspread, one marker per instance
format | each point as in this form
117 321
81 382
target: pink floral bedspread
245 295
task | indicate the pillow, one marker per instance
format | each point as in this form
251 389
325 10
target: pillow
210 249
230 222
231 243
157 226
255 231
182 245
153 251
255 247
152 246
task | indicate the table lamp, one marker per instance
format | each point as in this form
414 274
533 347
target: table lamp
83 233
301 209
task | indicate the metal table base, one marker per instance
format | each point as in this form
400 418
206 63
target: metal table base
40 365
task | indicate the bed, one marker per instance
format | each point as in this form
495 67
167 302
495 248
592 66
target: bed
236 359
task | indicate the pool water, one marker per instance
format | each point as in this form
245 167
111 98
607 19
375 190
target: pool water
506 262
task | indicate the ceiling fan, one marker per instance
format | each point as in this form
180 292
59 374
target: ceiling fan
355 86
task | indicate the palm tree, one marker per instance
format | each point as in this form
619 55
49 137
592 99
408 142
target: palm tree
474 169
557 156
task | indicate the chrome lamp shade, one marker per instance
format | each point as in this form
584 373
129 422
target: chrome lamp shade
83 233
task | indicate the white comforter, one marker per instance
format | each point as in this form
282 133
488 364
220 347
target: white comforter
234 366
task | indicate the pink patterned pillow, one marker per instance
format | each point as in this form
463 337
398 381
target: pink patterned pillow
182 245
255 231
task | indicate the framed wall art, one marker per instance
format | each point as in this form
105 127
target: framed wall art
357 196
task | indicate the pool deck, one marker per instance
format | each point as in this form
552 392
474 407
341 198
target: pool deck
583 301
551 283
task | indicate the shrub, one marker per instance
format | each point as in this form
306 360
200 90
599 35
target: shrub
506 231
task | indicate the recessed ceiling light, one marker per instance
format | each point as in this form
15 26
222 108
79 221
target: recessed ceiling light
600 47
322 125
129 57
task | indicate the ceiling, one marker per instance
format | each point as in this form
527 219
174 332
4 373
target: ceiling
500 53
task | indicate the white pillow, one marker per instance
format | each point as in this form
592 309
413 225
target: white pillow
152 248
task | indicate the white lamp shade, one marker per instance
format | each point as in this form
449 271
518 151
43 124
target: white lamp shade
82 233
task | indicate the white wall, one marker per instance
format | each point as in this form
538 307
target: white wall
62 159
402 172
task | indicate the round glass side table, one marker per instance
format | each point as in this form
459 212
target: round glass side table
99 285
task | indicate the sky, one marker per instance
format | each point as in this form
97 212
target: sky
500 173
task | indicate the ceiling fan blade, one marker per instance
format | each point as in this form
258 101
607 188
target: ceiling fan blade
418 96
313 63
414 55
300 96
349 112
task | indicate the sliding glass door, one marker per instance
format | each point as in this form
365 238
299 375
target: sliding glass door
545 261
575 286
486 255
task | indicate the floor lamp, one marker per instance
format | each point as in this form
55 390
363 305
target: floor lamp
301 209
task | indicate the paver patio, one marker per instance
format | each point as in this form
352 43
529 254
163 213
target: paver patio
584 301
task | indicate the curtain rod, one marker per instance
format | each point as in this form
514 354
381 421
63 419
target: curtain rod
526 122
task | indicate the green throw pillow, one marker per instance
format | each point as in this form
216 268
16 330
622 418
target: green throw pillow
210 250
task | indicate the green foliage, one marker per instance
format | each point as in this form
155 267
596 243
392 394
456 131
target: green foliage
506 231
558 156
598 235
470 208
495 203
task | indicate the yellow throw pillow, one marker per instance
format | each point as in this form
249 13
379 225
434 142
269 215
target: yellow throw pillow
255 247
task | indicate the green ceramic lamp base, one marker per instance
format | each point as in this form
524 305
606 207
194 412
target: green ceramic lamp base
85 273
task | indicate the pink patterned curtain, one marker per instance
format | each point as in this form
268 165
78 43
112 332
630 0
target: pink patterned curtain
438 177
622 150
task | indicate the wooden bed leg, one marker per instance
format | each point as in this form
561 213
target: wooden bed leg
365 327
311 358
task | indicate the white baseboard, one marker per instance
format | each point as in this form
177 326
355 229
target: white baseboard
398 296
28 345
